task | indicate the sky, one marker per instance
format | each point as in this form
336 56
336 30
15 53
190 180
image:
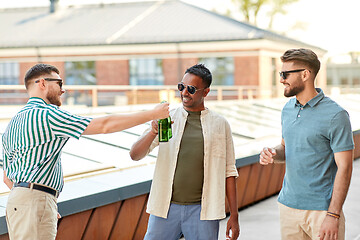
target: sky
329 24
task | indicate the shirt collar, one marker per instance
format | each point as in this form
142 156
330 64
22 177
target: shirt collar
185 113
314 100
36 100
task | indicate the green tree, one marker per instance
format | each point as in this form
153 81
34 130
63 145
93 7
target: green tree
251 8
278 7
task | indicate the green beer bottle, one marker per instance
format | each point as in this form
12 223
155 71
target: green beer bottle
169 128
164 129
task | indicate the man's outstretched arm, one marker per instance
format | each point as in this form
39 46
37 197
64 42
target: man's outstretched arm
116 123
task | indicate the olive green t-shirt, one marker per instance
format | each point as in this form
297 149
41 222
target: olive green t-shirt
189 173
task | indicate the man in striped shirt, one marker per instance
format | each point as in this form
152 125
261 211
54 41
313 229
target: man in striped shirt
32 144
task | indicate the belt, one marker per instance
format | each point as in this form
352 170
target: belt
37 187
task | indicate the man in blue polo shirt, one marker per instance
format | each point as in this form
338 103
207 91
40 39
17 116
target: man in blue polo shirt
317 145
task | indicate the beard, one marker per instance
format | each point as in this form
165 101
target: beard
298 87
293 91
54 98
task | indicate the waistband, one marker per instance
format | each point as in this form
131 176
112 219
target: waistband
37 187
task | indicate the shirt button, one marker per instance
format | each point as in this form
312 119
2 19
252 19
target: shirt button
302 108
299 115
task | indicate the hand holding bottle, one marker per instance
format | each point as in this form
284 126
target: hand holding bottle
161 111
154 127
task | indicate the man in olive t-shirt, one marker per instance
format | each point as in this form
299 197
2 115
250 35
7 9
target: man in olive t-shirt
194 170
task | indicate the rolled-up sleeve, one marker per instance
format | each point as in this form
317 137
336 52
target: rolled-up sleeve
5 158
154 144
231 170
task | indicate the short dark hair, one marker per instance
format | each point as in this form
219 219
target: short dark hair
39 70
303 56
201 71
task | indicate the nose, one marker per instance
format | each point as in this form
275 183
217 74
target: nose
63 90
282 80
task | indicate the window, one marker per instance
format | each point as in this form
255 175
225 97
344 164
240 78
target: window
221 68
146 72
9 73
80 73
344 81
356 81
330 81
356 75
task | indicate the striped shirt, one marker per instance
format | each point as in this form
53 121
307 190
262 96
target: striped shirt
33 140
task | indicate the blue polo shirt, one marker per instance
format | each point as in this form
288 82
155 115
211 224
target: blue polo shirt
312 134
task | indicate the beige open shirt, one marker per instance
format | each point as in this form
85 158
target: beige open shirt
219 163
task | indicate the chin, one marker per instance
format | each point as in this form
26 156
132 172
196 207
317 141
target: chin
186 104
288 94
57 103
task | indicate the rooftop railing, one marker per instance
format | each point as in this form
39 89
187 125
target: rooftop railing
98 95
102 95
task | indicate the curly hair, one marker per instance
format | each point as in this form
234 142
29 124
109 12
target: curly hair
201 71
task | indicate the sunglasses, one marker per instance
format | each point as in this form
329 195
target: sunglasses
285 74
189 88
58 80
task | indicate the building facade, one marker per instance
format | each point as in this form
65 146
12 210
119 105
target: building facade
141 43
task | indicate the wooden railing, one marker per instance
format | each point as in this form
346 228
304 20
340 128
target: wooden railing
98 95
132 94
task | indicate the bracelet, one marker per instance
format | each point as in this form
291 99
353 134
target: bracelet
334 215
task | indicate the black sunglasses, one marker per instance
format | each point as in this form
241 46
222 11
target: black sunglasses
189 88
285 74
58 80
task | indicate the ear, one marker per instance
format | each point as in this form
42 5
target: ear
206 91
306 74
42 84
